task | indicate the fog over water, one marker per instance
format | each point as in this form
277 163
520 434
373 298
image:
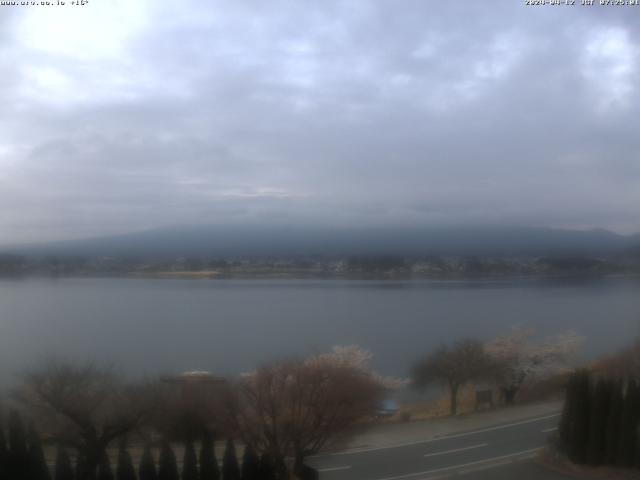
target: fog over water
148 326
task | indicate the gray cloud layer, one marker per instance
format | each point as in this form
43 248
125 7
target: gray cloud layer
120 116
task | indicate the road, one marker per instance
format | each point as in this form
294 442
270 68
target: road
494 452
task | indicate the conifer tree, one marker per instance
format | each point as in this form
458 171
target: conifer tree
190 462
147 467
598 422
635 449
4 454
628 428
168 468
250 464
636 453
18 451
81 466
636 460
125 469
613 424
104 467
267 467
38 469
581 408
209 469
280 468
567 422
230 468
63 469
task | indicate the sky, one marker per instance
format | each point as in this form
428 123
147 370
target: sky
121 116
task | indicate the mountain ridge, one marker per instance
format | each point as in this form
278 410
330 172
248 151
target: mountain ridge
286 240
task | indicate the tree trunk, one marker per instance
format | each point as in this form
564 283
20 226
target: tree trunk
302 471
454 399
509 394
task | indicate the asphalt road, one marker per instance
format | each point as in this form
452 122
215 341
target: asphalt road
496 452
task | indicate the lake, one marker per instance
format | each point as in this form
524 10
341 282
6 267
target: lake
149 326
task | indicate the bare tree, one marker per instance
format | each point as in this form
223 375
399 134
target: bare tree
516 359
189 407
292 409
453 366
85 406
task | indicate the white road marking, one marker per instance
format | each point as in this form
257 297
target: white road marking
445 437
463 465
547 430
480 445
334 469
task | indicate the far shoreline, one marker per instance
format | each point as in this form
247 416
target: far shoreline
215 275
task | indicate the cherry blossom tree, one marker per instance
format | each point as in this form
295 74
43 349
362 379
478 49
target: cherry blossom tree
517 359
294 408
355 357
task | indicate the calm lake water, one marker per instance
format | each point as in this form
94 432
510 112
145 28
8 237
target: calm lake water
230 326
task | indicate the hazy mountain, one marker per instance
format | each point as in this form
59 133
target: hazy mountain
221 241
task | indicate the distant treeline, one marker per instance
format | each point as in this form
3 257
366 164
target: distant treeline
355 265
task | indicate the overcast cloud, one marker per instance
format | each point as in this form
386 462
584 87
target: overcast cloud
126 115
